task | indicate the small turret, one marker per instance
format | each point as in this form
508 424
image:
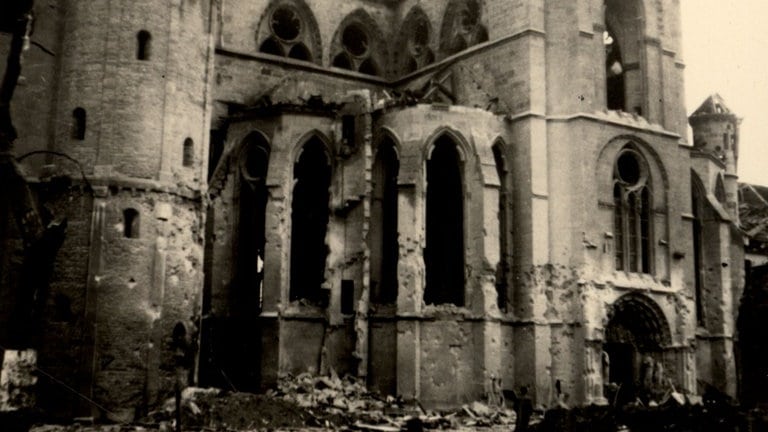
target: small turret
716 131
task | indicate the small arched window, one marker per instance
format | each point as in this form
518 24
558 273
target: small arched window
632 212
78 123
130 223
188 156
143 45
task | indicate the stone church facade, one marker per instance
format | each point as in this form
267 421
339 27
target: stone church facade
434 196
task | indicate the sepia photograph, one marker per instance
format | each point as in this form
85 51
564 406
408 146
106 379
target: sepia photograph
383 215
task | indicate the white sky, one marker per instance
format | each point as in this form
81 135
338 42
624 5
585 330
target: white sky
725 49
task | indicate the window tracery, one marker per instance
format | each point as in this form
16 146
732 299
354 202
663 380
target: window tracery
632 199
289 31
358 45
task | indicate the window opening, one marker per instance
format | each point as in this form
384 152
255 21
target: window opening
309 221
130 223
384 233
502 270
251 237
416 51
288 35
188 158
444 252
696 204
143 45
355 40
347 296
633 207
462 27
342 61
614 72
79 120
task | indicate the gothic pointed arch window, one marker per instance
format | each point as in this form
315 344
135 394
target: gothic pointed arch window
415 40
253 161
633 212
462 26
289 29
383 231
358 45
444 251
309 222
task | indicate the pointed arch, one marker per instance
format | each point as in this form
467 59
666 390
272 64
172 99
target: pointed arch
314 134
646 322
359 45
415 43
462 26
444 252
463 146
309 220
288 28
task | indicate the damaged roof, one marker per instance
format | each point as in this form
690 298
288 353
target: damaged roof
714 104
753 215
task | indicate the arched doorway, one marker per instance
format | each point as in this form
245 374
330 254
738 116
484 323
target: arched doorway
635 337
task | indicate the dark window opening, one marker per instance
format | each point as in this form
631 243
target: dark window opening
300 52
286 23
79 120
628 168
696 204
384 233
618 226
614 72
355 40
130 223
215 150
502 270
342 61
271 46
645 230
369 67
720 190
309 221
462 27
444 252
347 297
143 45
251 238
188 156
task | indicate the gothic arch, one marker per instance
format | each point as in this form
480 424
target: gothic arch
415 43
606 158
386 132
462 26
323 138
359 45
636 319
288 28
464 147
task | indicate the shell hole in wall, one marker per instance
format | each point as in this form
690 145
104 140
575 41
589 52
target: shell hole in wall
78 123
143 45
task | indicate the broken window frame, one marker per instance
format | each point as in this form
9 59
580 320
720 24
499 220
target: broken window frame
310 215
633 216
384 230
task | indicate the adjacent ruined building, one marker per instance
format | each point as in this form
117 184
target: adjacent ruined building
434 196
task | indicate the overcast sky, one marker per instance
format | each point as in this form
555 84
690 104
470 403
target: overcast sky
725 49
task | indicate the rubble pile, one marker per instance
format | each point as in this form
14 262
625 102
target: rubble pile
347 401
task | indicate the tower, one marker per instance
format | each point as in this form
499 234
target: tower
716 132
131 109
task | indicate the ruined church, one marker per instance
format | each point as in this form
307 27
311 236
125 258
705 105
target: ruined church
438 197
